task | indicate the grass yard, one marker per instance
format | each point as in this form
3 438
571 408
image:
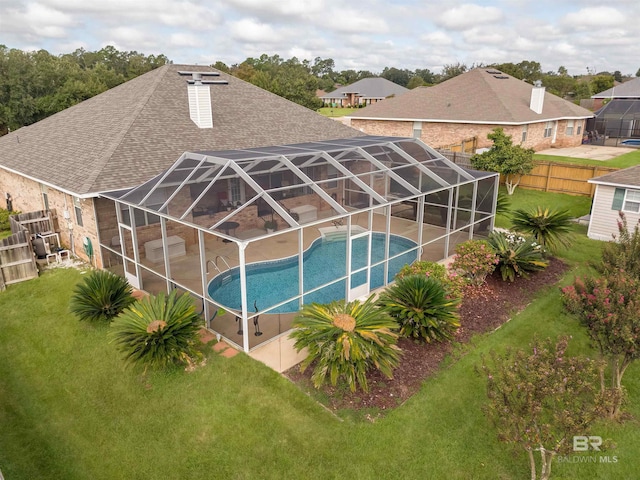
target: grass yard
529 199
623 161
69 410
335 112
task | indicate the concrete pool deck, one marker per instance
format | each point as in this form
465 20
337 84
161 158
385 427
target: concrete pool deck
593 152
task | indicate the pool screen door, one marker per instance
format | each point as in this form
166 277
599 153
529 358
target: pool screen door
359 266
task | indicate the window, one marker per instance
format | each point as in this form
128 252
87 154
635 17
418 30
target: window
332 172
548 128
78 208
632 201
417 129
569 127
579 130
525 128
154 202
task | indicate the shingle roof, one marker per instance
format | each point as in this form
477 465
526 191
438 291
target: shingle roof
136 130
629 177
628 89
374 87
477 96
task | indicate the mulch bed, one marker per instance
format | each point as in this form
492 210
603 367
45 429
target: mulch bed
483 309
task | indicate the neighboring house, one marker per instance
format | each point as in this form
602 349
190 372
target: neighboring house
472 105
615 192
363 92
629 90
126 135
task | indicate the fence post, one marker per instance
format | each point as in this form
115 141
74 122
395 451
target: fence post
549 166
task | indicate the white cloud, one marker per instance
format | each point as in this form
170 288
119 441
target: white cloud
594 17
185 40
437 38
251 30
469 15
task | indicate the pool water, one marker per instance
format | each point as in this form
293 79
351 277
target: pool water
633 141
270 283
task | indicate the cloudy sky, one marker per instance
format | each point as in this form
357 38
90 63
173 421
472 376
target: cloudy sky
360 34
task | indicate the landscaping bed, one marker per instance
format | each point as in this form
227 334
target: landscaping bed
483 309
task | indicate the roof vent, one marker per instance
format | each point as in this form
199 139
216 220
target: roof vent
537 97
199 96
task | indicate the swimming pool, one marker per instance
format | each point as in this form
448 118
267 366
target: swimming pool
270 283
632 141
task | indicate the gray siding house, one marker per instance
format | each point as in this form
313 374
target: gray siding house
615 192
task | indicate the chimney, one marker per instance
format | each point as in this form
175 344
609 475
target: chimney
199 96
537 97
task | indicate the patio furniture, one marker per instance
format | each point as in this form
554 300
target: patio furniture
306 213
153 250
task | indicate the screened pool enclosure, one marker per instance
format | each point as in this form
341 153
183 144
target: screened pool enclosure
254 234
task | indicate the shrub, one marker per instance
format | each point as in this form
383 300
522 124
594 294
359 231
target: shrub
550 228
453 283
158 331
624 253
345 341
4 219
474 260
517 255
421 307
101 296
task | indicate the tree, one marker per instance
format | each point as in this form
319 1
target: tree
221 66
600 83
540 398
608 308
415 81
452 70
345 341
395 75
504 157
638 73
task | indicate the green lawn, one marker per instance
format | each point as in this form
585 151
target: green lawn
335 112
69 410
528 199
623 161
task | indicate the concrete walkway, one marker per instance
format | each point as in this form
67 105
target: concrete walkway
594 152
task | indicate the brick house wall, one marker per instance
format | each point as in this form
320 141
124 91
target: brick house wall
439 134
27 196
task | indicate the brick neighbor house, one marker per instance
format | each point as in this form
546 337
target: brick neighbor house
126 135
473 104
363 92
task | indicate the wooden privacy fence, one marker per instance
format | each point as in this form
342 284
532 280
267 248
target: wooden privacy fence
564 178
17 262
38 221
548 176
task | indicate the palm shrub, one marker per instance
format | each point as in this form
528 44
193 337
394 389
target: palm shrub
453 283
101 296
550 228
345 341
158 331
422 309
517 255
